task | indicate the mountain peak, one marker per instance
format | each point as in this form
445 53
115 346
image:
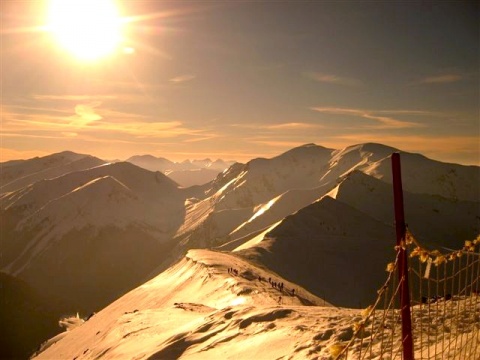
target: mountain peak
375 148
146 157
307 150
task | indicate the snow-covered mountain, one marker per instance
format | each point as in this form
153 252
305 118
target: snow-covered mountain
264 191
250 209
199 305
152 163
434 219
16 174
330 248
240 206
186 173
312 216
214 305
90 235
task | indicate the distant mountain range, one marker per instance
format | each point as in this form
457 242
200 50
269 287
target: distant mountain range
76 227
186 173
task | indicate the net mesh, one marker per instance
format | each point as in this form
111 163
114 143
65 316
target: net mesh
445 308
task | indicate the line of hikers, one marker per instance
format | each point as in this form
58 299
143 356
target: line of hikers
275 284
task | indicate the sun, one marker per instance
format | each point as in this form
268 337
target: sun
88 29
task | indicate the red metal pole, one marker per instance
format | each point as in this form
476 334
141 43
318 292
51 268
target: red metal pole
407 340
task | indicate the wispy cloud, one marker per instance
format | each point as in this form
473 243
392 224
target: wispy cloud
442 79
202 138
73 97
281 126
32 136
182 78
93 122
277 143
333 79
294 126
409 112
85 114
383 122
133 94
20 109
15 119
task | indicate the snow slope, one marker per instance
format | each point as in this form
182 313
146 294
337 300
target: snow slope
265 191
149 186
20 173
336 251
421 175
338 246
244 189
435 220
116 220
198 309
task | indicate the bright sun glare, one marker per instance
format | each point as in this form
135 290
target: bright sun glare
89 29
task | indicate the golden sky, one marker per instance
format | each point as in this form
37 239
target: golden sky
237 80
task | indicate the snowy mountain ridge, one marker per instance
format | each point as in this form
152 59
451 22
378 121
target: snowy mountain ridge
264 191
91 234
215 305
186 173
200 305
19 173
104 213
153 163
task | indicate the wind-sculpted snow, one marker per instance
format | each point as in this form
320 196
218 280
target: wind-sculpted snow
213 305
201 307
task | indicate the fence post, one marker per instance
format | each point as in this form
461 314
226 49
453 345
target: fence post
400 227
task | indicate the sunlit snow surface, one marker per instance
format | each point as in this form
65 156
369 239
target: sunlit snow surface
198 309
